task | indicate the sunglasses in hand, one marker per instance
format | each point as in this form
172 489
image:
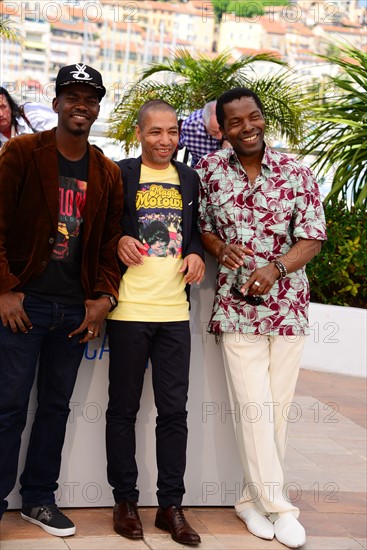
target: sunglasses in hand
248 298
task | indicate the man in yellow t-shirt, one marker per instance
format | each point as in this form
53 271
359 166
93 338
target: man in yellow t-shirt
161 257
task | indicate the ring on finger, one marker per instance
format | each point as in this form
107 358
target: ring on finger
90 332
256 283
224 257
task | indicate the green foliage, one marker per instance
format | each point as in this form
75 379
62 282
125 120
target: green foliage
338 274
7 33
187 83
244 8
339 131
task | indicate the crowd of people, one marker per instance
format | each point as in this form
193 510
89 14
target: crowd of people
86 241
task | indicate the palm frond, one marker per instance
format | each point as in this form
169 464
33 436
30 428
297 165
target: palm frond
8 33
188 82
338 134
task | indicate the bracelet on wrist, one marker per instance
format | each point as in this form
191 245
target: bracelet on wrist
281 268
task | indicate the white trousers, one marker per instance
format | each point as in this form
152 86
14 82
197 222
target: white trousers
261 374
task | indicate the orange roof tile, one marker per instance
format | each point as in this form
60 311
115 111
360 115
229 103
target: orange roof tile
344 30
272 27
120 47
252 51
70 27
299 28
188 8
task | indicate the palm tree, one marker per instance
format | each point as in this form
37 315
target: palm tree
191 82
7 33
338 134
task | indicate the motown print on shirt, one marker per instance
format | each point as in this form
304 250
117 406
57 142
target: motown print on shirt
159 207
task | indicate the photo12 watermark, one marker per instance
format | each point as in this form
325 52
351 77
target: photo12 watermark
292 412
88 12
228 493
251 11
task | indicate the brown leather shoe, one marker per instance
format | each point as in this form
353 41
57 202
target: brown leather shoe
172 519
126 520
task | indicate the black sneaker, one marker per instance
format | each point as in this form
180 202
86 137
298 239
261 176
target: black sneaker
49 518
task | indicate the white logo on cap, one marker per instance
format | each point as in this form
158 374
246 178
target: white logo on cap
81 74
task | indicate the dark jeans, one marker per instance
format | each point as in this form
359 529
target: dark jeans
59 358
168 347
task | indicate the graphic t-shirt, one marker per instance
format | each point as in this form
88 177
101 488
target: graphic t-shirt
155 290
60 282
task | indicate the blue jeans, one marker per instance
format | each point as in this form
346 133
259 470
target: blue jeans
58 358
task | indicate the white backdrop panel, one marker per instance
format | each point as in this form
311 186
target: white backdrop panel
213 473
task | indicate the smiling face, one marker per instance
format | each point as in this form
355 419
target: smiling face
158 135
77 107
244 127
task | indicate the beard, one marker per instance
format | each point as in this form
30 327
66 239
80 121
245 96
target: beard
79 132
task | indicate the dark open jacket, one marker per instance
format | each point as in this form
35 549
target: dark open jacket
29 214
189 182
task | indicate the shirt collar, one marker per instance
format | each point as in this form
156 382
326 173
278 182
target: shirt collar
266 161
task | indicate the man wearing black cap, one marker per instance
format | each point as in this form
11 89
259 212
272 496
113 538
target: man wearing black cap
61 202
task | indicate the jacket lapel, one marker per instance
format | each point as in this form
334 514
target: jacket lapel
47 166
186 206
131 186
95 191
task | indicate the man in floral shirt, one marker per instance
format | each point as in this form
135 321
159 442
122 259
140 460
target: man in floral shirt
262 218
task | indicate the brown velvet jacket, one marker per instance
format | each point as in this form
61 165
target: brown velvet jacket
29 208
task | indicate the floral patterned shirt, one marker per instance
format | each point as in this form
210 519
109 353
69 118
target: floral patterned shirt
268 217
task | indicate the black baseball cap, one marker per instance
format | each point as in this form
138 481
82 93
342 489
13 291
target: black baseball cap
80 74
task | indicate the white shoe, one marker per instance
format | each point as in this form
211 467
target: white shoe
257 523
289 531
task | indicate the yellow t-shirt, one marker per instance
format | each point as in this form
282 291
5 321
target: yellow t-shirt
155 290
